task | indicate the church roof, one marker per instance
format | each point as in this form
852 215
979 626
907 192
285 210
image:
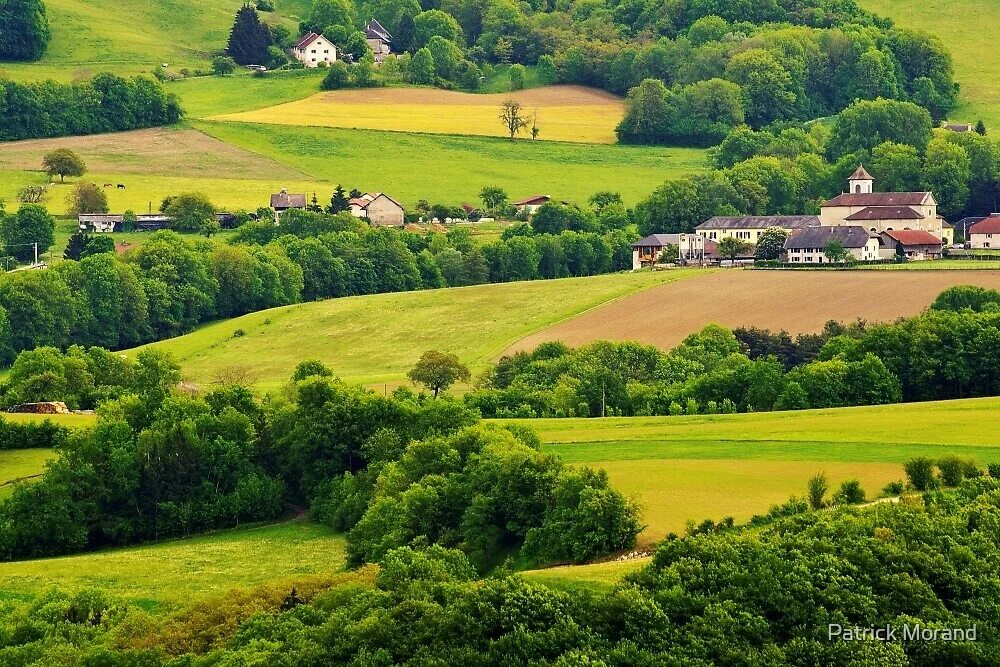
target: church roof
886 213
879 199
861 175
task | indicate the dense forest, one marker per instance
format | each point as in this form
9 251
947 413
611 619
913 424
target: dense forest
947 352
170 283
766 595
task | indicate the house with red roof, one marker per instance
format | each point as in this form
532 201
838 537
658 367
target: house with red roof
985 233
313 49
913 244
880 212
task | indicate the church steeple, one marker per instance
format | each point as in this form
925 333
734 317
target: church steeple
861 182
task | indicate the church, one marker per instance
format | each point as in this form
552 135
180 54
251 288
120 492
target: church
880 212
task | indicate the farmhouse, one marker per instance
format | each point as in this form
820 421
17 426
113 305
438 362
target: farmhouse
531 204
883 211
749 227
808 246
283 201
380 209
647 251
105 223
985 233
379 40
914 244
314 49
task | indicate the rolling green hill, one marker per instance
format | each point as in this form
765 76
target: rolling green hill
375 340
957 23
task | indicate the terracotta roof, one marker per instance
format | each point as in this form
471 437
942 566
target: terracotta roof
759 222
306 40
861 175
534 199
852 236
284 200
879 199
990 225
913 237
886 213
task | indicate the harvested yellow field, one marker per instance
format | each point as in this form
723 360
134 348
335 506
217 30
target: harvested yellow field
563 113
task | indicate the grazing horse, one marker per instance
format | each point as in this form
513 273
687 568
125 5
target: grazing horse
121 186
107 185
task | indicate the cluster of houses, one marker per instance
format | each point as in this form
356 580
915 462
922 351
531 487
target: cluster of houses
868 225
316 50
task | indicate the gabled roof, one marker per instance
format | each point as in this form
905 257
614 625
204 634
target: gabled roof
534 199
851 236
366 199
990 225
879 199
886 213
284 200
861 175
374 30
759 222
658 240
306 40
913 237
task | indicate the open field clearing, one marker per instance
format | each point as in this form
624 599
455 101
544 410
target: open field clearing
70 420
564 113
133 36
176 573
212 95
978 75
20 464
797 301
592 576
712 466
376 339
455 169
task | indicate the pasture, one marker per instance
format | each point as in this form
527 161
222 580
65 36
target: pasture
375 340
172 574
563 113
979 76
455 168
712 466
205 96
797 301
21 464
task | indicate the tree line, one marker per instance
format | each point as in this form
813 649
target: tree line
159 464
944 353
105 103
772 594
793 169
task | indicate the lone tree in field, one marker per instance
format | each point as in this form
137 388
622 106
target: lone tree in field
731 247
513 118
63 162
438 371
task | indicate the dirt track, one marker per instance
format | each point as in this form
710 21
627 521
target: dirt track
797 301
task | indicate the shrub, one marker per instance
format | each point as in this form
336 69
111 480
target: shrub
954 469
816 490
920 473
894 488
850 493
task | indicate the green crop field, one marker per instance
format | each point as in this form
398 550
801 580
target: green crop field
712 466
21 464
462 166
376 339
954 23
175 573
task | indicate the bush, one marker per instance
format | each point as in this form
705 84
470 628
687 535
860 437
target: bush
817 488
337 77
954 469
920 473
850 493
894 488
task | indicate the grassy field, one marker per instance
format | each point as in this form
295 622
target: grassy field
205 96
21 464
979 76
795 300
455 169
563 113
712 466
70 420
171 574
132 36
376 339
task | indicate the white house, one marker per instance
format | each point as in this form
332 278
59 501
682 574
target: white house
314 49
380 209
985 233
530 205
808 245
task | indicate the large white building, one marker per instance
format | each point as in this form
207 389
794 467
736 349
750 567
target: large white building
314 49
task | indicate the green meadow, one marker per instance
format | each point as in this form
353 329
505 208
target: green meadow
375 340
173 574
20 464
713 466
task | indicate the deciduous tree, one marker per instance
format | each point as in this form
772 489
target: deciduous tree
438 370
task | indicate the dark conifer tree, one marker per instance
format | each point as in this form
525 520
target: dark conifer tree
338 202
76 246
249 39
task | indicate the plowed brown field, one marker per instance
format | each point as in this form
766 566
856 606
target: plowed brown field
797 301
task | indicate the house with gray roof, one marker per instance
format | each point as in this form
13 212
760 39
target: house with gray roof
809 245
749 227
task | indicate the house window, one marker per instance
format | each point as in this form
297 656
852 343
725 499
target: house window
326 51
313 51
